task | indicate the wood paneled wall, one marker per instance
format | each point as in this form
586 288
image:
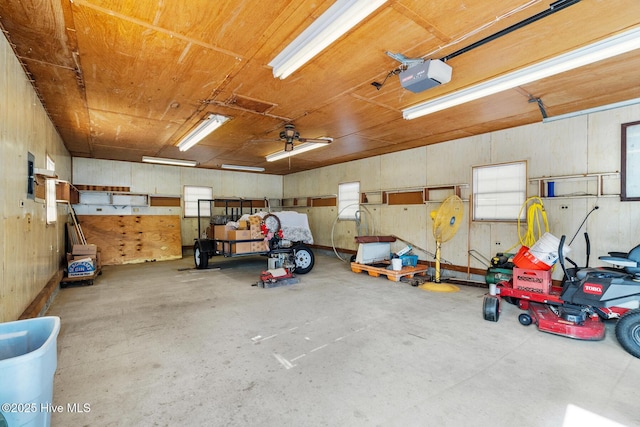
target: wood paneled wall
126 239
31 251
169 181
581 145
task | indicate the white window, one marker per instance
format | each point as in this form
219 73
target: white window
499 191
348 200
191 196
50 191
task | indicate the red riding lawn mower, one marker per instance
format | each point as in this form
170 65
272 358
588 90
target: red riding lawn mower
578 308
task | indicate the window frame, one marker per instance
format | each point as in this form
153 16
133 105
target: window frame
347 208
50 198
190 205
629 177
513 206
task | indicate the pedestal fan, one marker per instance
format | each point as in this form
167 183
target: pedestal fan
446 221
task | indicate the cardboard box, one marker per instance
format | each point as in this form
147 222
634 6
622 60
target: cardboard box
260 246
239 248
538 281
238 235
90 250
256 231
220 232
80 266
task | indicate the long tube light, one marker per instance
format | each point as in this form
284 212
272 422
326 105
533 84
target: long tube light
613 46
208 125
302 148
243 168
172 162
620 104
331 25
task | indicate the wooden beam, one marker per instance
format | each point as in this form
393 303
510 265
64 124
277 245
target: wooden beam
43 298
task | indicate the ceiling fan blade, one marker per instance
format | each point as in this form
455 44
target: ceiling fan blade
265 140
317 140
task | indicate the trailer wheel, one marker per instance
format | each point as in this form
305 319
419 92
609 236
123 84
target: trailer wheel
525 319
491 308
628 332
201 259
304 259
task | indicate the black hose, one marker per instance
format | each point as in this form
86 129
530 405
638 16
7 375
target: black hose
583 221
588 242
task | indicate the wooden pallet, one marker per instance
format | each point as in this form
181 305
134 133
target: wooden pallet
392 275
80 280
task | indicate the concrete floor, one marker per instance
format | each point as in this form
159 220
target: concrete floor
163 344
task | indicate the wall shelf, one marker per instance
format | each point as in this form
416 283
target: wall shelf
373 197
66 192
391 197
575 186
409 195
309 201
107 198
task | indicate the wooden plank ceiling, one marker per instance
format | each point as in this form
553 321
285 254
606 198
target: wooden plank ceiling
122 79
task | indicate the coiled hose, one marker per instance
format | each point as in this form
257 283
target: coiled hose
359 226
536 220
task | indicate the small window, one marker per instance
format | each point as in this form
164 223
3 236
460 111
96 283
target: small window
499 191
348 200
50 198
191 196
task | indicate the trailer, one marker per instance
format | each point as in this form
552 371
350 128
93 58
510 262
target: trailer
265 233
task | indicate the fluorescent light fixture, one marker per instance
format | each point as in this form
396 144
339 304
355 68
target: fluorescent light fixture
331 25
613 46
208 125
304 147
621 104
172 162
243 168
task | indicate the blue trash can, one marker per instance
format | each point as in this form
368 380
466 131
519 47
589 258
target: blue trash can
28 360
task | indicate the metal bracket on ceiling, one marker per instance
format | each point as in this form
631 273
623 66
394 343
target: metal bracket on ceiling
538 101
405 62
